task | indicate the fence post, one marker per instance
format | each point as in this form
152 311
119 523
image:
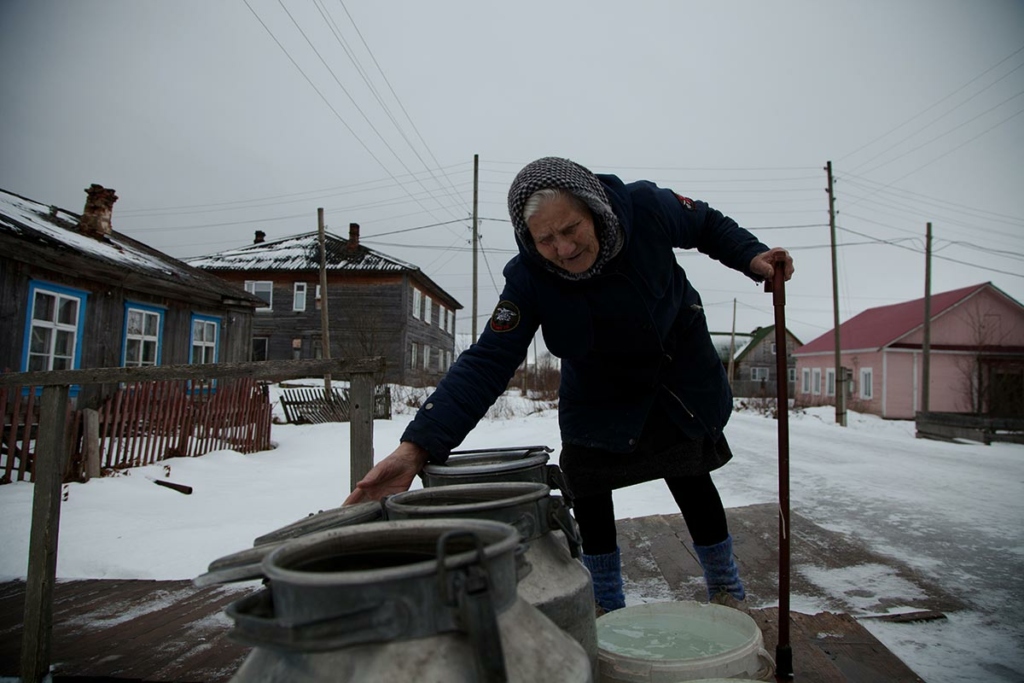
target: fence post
361 426
50 457
91 442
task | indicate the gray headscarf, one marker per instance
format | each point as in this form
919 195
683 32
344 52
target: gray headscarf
562 174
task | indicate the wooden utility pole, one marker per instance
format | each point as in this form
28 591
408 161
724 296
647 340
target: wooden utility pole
325 321
926 345
839 374
476 237
732 342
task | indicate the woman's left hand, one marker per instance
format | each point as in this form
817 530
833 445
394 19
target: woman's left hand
764 263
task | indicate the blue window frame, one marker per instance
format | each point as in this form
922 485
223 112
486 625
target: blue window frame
143 334
53 327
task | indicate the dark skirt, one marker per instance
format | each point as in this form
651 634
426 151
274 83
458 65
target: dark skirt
663 451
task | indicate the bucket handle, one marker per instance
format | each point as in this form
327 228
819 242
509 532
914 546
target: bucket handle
767 670
256 626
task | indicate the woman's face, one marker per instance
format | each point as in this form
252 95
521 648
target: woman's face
563 232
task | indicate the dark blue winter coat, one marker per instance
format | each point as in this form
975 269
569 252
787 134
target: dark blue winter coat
630 336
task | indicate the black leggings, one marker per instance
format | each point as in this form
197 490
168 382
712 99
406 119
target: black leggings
698 501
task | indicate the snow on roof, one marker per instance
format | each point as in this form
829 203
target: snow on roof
723 341
301 252
878 327
56 228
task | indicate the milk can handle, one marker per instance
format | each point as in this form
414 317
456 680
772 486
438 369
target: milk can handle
561 519
383 622
556 480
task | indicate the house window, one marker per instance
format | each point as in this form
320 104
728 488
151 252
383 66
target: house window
260 348
205 334
816 381
412 356
830 382
865 383
317 302
805 386
53 332
440 360
264 289
428 310
416 303
442 317
426 357
773 348
759 374
299 297
318 349
792 374
447 359
142 332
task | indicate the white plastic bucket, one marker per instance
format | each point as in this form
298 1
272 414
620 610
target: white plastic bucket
665 642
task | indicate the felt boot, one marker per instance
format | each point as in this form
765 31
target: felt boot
720 571
606 573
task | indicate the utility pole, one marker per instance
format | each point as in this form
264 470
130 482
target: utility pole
839 374
732 341
926 346
476 236
325 327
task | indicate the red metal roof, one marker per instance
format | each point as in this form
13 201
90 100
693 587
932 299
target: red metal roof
878 327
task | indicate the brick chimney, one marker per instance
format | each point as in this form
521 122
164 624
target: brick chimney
353 236
260 237
99 206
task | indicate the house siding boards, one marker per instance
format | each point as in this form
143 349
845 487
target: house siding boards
41 248
975 332
369 298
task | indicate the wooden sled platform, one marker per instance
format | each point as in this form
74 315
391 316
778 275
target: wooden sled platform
120 630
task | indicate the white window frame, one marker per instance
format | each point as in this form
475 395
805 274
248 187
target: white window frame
55 328
426 356
299 297
791 374
816 380
758 374
830 381
442 317
253 287
428 310
805 381
866 388
207 346
417 303
447 360
147 313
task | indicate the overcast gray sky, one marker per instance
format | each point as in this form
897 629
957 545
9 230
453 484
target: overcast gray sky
213 119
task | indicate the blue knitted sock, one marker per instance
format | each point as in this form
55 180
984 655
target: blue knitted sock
720 570
606 572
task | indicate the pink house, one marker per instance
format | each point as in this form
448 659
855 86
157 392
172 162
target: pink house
976 357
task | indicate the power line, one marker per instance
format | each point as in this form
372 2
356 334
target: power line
929 108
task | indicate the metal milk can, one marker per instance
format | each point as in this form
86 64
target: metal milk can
410 600
558 583
517 463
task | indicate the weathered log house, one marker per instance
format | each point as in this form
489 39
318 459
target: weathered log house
377 305
74 293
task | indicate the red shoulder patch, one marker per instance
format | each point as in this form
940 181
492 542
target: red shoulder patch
685 201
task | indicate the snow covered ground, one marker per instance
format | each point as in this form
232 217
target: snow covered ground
953 512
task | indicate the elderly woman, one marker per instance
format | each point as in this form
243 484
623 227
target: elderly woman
643 393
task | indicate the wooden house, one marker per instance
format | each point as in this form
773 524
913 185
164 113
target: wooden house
754 360
377 305
976 357
74 293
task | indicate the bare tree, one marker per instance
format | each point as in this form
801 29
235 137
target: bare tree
975 367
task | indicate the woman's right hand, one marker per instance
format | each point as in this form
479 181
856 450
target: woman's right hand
393 474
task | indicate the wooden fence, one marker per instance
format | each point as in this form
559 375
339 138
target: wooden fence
305 405
143 422
51 460
982 428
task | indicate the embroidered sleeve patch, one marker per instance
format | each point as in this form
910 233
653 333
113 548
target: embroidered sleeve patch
505 317
685 201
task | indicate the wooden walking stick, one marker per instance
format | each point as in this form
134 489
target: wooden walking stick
777 286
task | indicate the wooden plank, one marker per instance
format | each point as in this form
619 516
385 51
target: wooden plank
27 435
361 427
269 370
6 477
42 554
12 437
